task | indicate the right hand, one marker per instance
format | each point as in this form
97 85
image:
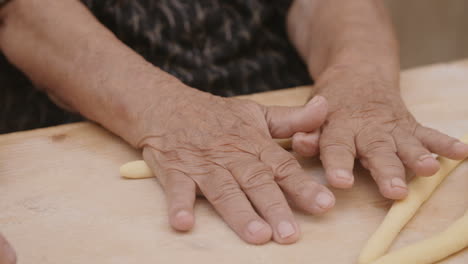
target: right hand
7 254
224 147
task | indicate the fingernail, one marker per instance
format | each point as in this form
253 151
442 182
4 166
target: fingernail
324 200
255 226
182 214
425 157
316 100
343 175
285 229
398 183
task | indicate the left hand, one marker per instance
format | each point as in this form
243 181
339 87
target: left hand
368 120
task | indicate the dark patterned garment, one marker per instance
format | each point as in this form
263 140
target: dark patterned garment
225 47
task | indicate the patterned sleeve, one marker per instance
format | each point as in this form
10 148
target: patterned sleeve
3 2
283 4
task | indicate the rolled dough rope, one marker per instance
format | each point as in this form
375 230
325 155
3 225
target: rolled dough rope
139 170
450 241
420 189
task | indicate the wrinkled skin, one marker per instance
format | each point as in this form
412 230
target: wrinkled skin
368 120
7 254
224 147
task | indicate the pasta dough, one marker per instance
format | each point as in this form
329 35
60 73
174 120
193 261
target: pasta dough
136 170
139 170
452 240
446 243
420 189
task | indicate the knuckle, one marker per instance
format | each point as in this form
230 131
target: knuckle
274 208
337 138
256 178
371 142
287 168
222 192
386 169
374 146
337 144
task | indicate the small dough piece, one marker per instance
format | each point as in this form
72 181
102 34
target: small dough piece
450 241
420 189
139 170
136 170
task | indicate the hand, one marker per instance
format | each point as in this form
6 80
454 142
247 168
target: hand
7 254
224 147
368 120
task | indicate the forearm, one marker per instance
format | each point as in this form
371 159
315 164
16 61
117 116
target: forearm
63 49
337 34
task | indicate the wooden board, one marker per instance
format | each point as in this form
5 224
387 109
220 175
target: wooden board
62 200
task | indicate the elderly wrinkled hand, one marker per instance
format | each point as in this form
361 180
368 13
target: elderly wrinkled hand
224 147
368 120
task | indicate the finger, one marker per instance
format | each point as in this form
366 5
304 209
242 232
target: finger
180 193
257 181
284 121
180 196
296 183
337 152
379 151
414 155
306 144
7 254
223 192
442 144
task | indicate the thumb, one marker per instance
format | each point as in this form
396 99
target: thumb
284 121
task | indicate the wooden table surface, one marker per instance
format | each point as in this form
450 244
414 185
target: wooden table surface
62 200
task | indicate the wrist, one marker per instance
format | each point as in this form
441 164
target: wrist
379 59
126 91
109 83
357 75
361 84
